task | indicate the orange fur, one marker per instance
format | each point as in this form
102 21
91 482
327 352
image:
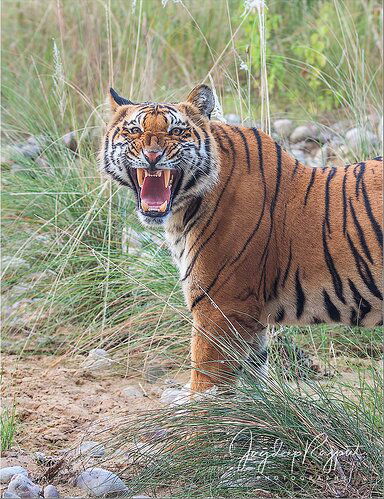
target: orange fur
271 241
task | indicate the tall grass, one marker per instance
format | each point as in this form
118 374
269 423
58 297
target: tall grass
274 438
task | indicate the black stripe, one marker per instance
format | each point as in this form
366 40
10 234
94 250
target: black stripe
332 310
364 271
337 282
260 152
237 130
327 196
344 191
194 179
296 167
278 179
203 295
310 184
375 225
360 233
300 296
116 132
316 320
275 284
359 176
363 306
353 318
288 264
196 255
192 209
280 315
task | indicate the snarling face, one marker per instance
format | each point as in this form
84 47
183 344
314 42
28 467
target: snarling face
163 152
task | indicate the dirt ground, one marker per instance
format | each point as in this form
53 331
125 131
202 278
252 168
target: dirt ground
58 404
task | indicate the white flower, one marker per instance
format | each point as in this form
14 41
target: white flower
134 2
164 2
250 5
243 66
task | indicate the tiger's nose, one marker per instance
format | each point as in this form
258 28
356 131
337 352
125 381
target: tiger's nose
152 157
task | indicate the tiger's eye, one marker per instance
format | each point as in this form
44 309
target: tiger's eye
134 130
177 131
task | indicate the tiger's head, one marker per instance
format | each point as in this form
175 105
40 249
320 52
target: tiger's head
163 152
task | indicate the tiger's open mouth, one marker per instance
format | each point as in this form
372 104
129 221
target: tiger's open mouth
155 190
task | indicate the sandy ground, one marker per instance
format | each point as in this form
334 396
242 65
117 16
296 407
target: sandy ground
58 403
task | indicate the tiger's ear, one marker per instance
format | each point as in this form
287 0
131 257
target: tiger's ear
116 101
202 97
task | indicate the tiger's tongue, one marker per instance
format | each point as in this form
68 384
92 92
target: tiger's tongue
154 192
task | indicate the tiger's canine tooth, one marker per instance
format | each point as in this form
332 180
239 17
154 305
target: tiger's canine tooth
144 206
140 172
163 207
167 176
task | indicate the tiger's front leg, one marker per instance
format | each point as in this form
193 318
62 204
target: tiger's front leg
218 346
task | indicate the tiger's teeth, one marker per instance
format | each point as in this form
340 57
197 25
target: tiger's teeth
167 176
140 176
144 206
163 207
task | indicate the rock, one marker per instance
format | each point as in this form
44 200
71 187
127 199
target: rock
23 487
70 141
307 146
97 360
232 119
304 132
98 482
132 392
358 137
10 495
140 497
51 492
31 151
91 448
6 474
174 396
283 127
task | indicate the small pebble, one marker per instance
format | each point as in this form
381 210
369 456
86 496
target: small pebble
98 482
97 360
6 474
174 396
51 492
70 141
91 448
132 392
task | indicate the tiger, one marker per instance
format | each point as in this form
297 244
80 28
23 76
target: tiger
259 238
